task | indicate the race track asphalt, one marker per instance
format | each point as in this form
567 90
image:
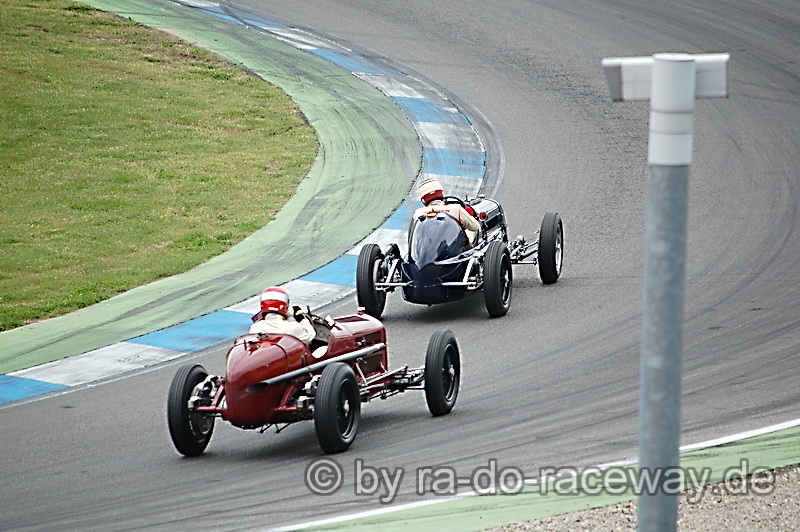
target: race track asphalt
555 382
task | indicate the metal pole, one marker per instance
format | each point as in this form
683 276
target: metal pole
670 149
671 82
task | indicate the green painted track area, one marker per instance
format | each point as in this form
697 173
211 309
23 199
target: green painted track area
368 157
725 462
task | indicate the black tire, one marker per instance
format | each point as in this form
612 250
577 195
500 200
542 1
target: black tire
442 373
497 279
368 272
551 248
337 408
190 431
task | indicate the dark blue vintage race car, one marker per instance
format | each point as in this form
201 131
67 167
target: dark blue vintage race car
442 265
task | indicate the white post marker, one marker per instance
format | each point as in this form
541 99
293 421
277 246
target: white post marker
671 82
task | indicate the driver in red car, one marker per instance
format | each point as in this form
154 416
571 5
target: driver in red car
431 194
275 313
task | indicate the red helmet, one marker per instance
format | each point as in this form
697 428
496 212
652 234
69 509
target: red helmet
275 299
430 190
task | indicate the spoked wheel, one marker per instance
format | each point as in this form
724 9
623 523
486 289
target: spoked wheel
337 408
551 248
190 431
442 373
497 279
368 272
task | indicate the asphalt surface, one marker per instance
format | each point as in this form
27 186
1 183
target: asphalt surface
553 383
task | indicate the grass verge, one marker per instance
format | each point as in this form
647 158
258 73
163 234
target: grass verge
126 155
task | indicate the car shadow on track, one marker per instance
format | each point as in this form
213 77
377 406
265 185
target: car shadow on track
470 308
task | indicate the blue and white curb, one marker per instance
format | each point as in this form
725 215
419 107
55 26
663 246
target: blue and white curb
452 152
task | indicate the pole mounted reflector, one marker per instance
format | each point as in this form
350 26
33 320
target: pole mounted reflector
629 78
671 82
712 75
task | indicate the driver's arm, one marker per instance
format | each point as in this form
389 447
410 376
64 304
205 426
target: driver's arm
308 331
468 221
302 328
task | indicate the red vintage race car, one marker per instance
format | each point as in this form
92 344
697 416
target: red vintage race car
274 380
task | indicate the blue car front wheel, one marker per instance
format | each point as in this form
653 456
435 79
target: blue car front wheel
497 279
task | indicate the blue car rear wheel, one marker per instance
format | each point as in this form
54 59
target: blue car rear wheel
369 272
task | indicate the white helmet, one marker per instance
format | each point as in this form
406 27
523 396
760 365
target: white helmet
430 190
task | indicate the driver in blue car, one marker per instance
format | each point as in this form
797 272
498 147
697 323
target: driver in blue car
431 193
273 318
